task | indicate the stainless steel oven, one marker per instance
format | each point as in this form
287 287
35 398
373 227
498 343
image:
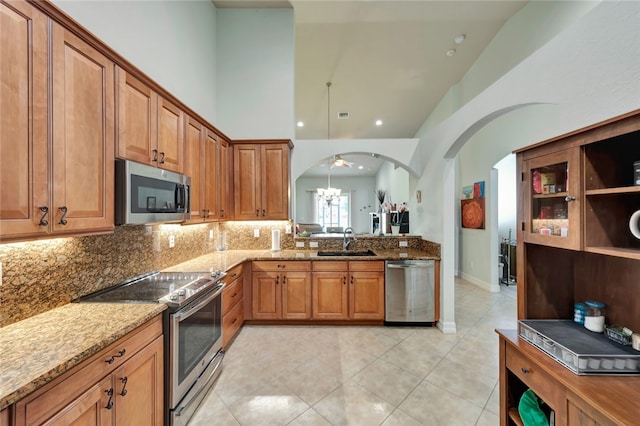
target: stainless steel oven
195 345
192 327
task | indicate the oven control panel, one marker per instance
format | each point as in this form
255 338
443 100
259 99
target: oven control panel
181 296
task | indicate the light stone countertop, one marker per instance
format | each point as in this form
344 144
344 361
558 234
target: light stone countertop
36 350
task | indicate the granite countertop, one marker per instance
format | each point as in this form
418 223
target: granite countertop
225 260
36 350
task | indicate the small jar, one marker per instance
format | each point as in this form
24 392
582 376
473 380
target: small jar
594 316
579 309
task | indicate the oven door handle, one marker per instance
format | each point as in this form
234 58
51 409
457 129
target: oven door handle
180 315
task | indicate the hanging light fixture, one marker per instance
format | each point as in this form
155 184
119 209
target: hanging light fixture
329 194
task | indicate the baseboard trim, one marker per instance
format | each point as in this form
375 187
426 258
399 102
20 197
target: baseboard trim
482 284
447 327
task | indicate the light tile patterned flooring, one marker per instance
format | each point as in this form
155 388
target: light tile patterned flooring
366 376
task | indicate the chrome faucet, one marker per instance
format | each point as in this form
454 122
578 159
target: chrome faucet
346 243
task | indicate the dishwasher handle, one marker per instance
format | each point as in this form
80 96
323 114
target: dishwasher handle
412 266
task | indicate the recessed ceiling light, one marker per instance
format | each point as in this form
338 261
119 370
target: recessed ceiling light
451 52
459 38
378 122
360 167
300 124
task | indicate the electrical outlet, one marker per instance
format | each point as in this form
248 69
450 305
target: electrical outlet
148 230
211 234
256 233
287 229
403 244
300 244
313 244
404 255
172 241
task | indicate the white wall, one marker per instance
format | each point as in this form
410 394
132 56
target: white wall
173 42
362 198
507 210
256 81
394 180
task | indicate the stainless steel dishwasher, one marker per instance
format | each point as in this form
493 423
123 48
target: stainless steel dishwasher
409 292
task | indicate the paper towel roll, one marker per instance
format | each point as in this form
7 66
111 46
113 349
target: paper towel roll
275 240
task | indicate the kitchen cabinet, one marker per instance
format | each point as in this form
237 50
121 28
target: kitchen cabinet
348 290
224 190
67 189
232 305
595 258
330 290
261 179
281 290
150 127
121 384
201 165
366 290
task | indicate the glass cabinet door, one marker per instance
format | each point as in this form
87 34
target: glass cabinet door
551 206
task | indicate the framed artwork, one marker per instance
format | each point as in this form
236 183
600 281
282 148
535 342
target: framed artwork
472 211
478 190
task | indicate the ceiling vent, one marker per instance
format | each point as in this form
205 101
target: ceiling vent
343 115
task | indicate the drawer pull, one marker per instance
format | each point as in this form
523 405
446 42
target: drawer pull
120 353
124 380
234 320
43 219
524 370
235 274
110 401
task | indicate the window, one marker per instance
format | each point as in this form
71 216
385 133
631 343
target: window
334 214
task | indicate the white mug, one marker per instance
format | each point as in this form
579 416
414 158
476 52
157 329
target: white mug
634 224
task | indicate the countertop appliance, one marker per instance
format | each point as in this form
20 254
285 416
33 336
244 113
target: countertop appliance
409 292
192 328
147 194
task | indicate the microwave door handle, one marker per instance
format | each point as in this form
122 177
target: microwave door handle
179 197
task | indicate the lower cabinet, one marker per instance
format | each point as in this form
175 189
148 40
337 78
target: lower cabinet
232 305
571 399
281 290
122 384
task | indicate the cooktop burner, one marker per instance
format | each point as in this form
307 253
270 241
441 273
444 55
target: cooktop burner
173 288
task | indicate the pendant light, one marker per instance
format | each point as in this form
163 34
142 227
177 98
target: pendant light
329 194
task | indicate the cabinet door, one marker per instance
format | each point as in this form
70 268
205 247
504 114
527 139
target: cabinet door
138 388
296 295
366 295
93 408
83 136
266 295
225 162
246 190
23 122
330 295
211 174
137 126
193 167
552 199
170 136
274 182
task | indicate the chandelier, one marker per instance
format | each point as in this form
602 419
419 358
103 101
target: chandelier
329 194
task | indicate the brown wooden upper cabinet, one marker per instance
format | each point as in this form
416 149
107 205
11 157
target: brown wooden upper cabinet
202 166
261 179
224 191
68 189
150 128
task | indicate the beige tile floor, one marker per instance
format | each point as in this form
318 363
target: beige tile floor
366 376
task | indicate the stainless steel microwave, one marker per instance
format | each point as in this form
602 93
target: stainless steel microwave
146 194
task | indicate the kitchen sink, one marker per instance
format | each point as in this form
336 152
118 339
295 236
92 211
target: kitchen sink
346 253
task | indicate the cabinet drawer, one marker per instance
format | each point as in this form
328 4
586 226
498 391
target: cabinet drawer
235 272
232 294
231 323
269 265
366 265
330 265
534 377
48 400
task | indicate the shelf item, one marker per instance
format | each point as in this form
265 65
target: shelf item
578 349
